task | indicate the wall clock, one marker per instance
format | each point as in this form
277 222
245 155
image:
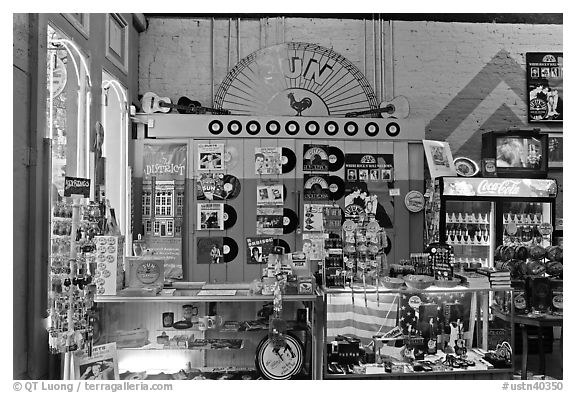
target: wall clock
282 362
295 79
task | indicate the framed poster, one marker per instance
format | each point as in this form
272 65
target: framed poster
102 365
555 150
545 76
439 158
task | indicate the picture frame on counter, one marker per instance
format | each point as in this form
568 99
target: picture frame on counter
555 150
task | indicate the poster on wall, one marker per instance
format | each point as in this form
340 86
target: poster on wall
163 196
439 158
210 216
313 217
268 160
102 365
210 250
269 221
210 156
545 76
315 158
258 248
316 187
209 186
270 193
367 187
369 167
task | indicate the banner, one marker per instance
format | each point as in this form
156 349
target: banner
163 196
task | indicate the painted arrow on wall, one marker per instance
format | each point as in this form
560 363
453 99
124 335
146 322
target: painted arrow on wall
494 99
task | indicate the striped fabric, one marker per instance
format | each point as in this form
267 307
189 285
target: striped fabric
358 319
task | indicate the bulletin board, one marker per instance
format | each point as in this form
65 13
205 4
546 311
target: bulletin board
223 176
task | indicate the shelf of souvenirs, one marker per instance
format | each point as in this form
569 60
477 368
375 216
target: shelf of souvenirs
194 373
240 293
439 364
360 290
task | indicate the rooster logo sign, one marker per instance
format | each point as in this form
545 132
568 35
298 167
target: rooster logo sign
299 106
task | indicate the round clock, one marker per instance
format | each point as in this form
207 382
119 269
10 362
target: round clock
295 79
148 272
279 362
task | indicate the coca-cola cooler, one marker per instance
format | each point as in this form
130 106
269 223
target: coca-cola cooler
475 214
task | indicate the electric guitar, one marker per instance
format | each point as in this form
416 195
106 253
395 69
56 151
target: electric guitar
398 108
152 103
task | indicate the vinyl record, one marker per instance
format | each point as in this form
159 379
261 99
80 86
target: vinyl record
281 243
231 157
230 249
388 245
231 187
230 216
335 158
288 160
290 221
335 188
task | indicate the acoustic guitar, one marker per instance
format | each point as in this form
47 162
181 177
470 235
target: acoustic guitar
398 108
153 103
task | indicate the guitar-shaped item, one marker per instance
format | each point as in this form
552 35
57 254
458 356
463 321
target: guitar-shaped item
152 103
186 105
398 108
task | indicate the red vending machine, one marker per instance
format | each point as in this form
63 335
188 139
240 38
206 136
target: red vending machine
475 215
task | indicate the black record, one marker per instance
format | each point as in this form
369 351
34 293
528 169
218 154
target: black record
335 158
281 243
290 221
288 160
230 216
230 249
231 187
335 188
388 246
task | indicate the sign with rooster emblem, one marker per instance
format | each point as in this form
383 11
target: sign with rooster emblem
295 79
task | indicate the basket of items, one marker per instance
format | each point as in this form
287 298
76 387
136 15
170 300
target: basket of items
418 281
392 282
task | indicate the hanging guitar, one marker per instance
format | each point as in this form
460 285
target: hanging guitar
398 108
153 103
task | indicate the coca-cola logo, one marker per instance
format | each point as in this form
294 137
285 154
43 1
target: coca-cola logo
506 187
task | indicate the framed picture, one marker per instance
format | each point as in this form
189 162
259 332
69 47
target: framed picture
439 158
555 150
117 41
102 365
545 86
80 21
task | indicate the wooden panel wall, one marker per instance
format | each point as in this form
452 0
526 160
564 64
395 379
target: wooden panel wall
406 234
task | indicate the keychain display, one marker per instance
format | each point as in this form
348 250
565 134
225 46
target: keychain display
72 286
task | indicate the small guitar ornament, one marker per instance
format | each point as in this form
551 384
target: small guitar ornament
152 103
398 108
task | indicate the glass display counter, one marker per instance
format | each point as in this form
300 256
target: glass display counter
208 334
405 333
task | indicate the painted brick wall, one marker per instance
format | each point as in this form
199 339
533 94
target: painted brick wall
460 78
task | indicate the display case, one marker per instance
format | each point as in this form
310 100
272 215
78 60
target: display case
208 332
475 215
408 333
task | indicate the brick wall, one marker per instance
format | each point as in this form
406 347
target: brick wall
460 78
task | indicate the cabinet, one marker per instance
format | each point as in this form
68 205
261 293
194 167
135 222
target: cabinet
381 323
232 346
